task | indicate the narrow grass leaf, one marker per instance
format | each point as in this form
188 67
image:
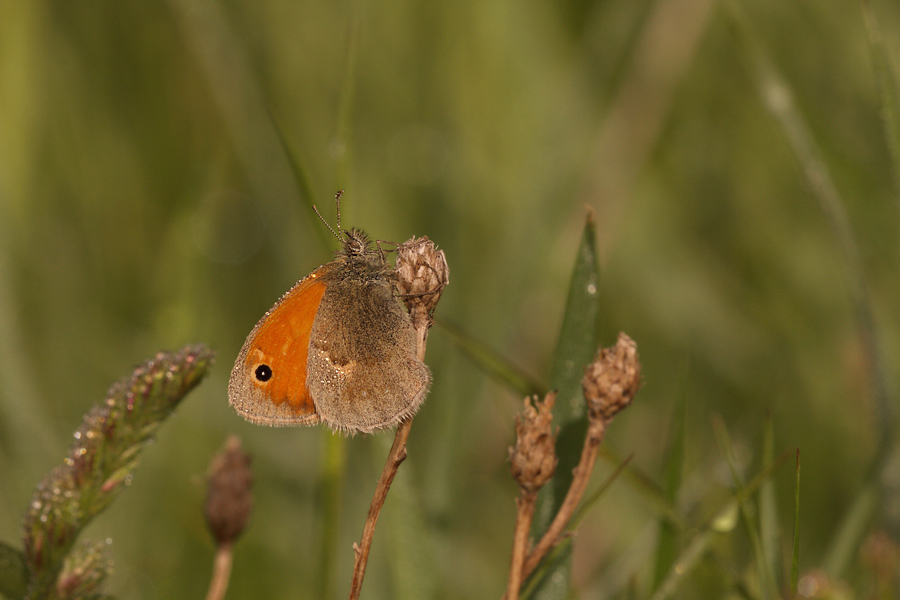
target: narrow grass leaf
706 535
577 344
410 556
778 97
843 547
491 362
768 511
652 493
591 500
746 512
886 81
669 534
795 552
13 572
302 181
332 478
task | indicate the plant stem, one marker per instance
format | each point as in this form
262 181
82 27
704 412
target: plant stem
422 273
396 456
218 585
526 505
580 478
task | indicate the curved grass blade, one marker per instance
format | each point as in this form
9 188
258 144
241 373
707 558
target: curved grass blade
652 493
301 178
702 542
779 99
491 362
591 500
669 534
766 581
13 572
795 553
843 547
578 342
330 480
886 82
768 512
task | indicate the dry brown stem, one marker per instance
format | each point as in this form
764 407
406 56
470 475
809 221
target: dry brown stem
610 383
580 478
422 274
221 572
526 504
396 456
533 463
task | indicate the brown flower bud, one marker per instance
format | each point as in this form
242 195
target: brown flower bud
612 380
533 459
228 498
422 273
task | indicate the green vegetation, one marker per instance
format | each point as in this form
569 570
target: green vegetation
158 166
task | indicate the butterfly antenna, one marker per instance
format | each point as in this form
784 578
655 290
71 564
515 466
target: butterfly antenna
337 200
337 206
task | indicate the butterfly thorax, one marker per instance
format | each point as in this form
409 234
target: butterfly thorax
360 260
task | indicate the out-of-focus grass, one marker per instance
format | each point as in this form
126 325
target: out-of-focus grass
147 199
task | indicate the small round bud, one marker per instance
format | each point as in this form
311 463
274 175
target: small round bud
612 380
228 498
422 273
533 459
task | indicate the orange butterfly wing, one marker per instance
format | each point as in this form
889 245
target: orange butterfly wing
268 382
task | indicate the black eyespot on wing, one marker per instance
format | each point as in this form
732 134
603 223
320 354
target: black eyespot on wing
263 373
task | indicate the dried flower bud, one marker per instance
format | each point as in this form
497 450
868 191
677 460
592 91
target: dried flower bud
422 273
612 380
228 498
533 460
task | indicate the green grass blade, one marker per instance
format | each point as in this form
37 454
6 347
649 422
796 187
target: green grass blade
652 493
302 181
579 336
577 345
703 540
669 534
768 511
852 529
778 97
491 362
886 81
795 552
578 342
591 500
332 477
406 533
13 572
746 512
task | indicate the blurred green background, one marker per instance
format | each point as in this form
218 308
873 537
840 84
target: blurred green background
148 199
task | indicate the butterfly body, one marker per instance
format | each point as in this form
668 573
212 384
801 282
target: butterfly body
337 348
